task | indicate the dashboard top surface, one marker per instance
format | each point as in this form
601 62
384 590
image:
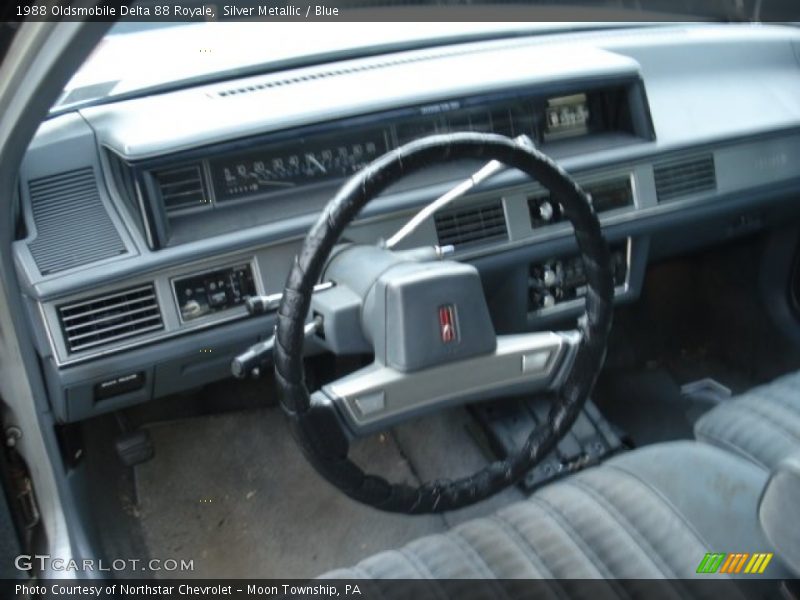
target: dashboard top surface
698 81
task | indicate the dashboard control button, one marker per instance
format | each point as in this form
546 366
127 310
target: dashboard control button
217 299
546 211
191 310
558 280
549 277
214 291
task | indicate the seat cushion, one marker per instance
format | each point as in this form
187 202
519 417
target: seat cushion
649 513
779 506
762 424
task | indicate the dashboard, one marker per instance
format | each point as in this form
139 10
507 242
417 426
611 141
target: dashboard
299 161
191 195
146 223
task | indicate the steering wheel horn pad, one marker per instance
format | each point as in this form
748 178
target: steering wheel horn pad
316 424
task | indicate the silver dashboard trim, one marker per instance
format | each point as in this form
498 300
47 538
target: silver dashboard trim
378 396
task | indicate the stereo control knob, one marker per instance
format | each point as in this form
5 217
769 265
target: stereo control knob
546 211
191 309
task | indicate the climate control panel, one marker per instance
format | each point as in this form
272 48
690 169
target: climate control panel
559 280
213 291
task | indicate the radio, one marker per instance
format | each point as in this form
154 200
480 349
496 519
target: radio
214 291
560 280
604 195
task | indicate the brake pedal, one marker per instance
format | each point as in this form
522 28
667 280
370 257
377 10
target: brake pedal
134 447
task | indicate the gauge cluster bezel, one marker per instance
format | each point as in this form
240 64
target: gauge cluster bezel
618 113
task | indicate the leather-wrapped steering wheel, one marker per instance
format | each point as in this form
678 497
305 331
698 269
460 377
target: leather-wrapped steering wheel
416 368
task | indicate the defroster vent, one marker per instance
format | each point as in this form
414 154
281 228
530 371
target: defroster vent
72 225
472 225
685 175
109 318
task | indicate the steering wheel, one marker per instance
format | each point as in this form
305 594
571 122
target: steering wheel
427 322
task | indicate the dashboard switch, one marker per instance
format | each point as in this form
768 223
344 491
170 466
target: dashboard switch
549 277
214 291
217 299
546 211
558 280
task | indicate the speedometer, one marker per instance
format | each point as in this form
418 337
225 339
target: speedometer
287 165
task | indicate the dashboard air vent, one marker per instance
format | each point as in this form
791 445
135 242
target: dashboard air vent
110 318
684 176
182 187
471 225
72 225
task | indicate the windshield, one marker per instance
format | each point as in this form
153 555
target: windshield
140 55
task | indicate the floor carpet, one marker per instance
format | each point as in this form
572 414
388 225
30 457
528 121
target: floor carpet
234 493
